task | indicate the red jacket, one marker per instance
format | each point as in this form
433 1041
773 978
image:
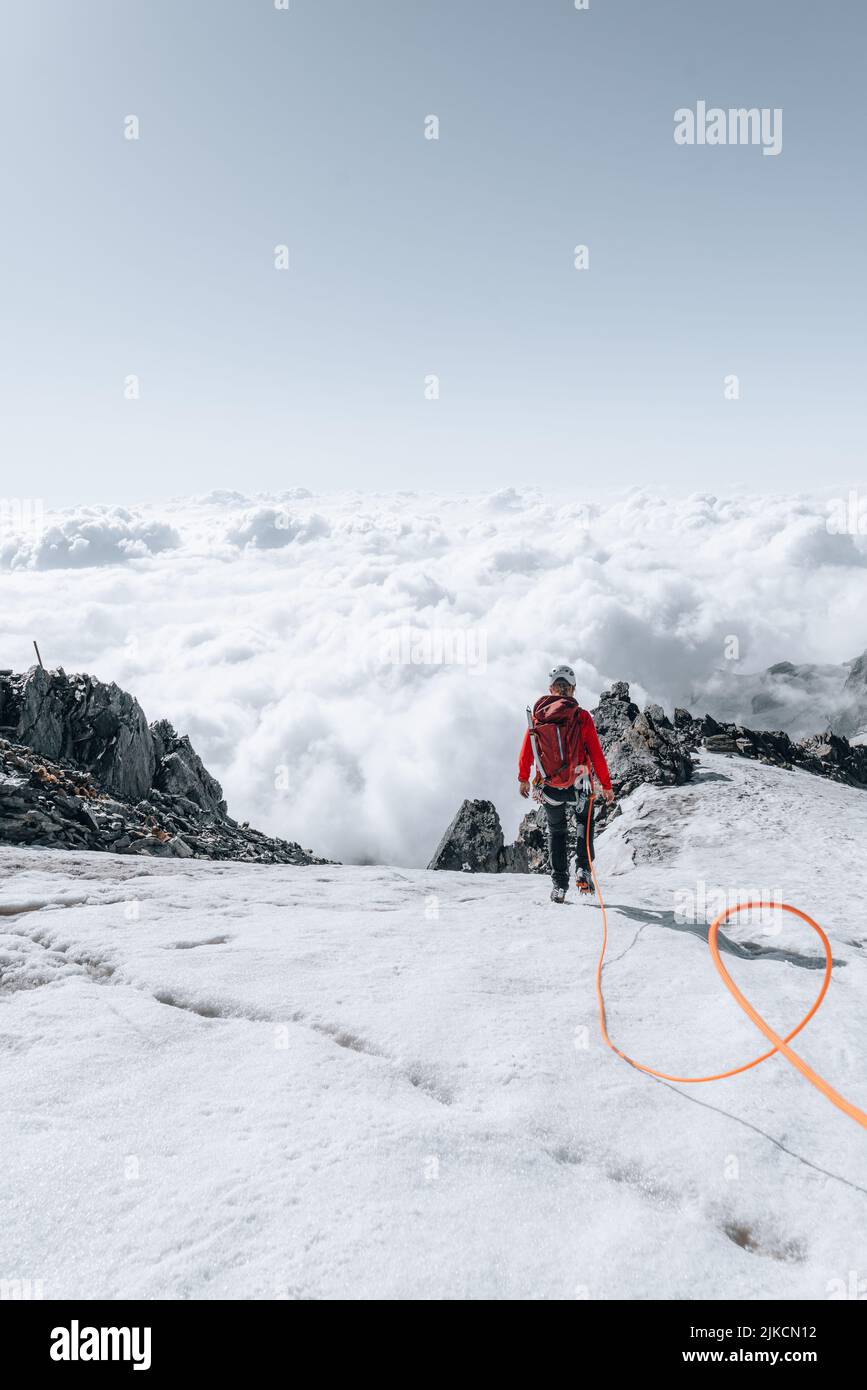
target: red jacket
592 750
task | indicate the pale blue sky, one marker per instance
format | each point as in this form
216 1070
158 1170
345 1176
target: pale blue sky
411 256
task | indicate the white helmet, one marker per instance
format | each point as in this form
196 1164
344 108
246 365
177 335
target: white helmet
562 673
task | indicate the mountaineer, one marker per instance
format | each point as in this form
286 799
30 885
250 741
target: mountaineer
561 739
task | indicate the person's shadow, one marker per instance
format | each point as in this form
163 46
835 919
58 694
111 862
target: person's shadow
650 917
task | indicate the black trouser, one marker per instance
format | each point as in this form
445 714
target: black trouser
557 800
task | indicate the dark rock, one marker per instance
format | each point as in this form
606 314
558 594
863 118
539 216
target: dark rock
639 747
98 726
788 695
529 853
180 771
825 755
720 743
82 770
473 840
41 713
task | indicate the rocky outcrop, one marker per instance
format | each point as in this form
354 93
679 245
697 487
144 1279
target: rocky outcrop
529 853
473 841
670 744
787 696
76 718
825 755
181 772
81 769
641 747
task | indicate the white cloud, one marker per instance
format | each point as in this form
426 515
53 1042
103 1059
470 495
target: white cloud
293 652
85 537
270 528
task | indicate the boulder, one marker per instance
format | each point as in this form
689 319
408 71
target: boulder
640 747
42 712
720 743
180 771
473 841
529 853
99 727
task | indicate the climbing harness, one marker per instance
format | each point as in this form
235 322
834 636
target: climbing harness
779 1044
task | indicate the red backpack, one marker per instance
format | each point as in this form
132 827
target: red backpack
555 735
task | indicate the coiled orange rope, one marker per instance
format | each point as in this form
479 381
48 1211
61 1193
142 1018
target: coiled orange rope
779 1044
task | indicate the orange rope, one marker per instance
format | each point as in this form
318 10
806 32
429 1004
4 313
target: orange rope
779 1044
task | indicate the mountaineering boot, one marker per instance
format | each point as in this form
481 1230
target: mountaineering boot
558 895
583 882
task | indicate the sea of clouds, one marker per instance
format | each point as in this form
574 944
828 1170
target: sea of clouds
351 666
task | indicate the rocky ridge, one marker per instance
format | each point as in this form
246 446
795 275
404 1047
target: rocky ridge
640 747
81 768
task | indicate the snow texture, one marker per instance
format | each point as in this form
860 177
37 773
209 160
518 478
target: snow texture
366 1082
